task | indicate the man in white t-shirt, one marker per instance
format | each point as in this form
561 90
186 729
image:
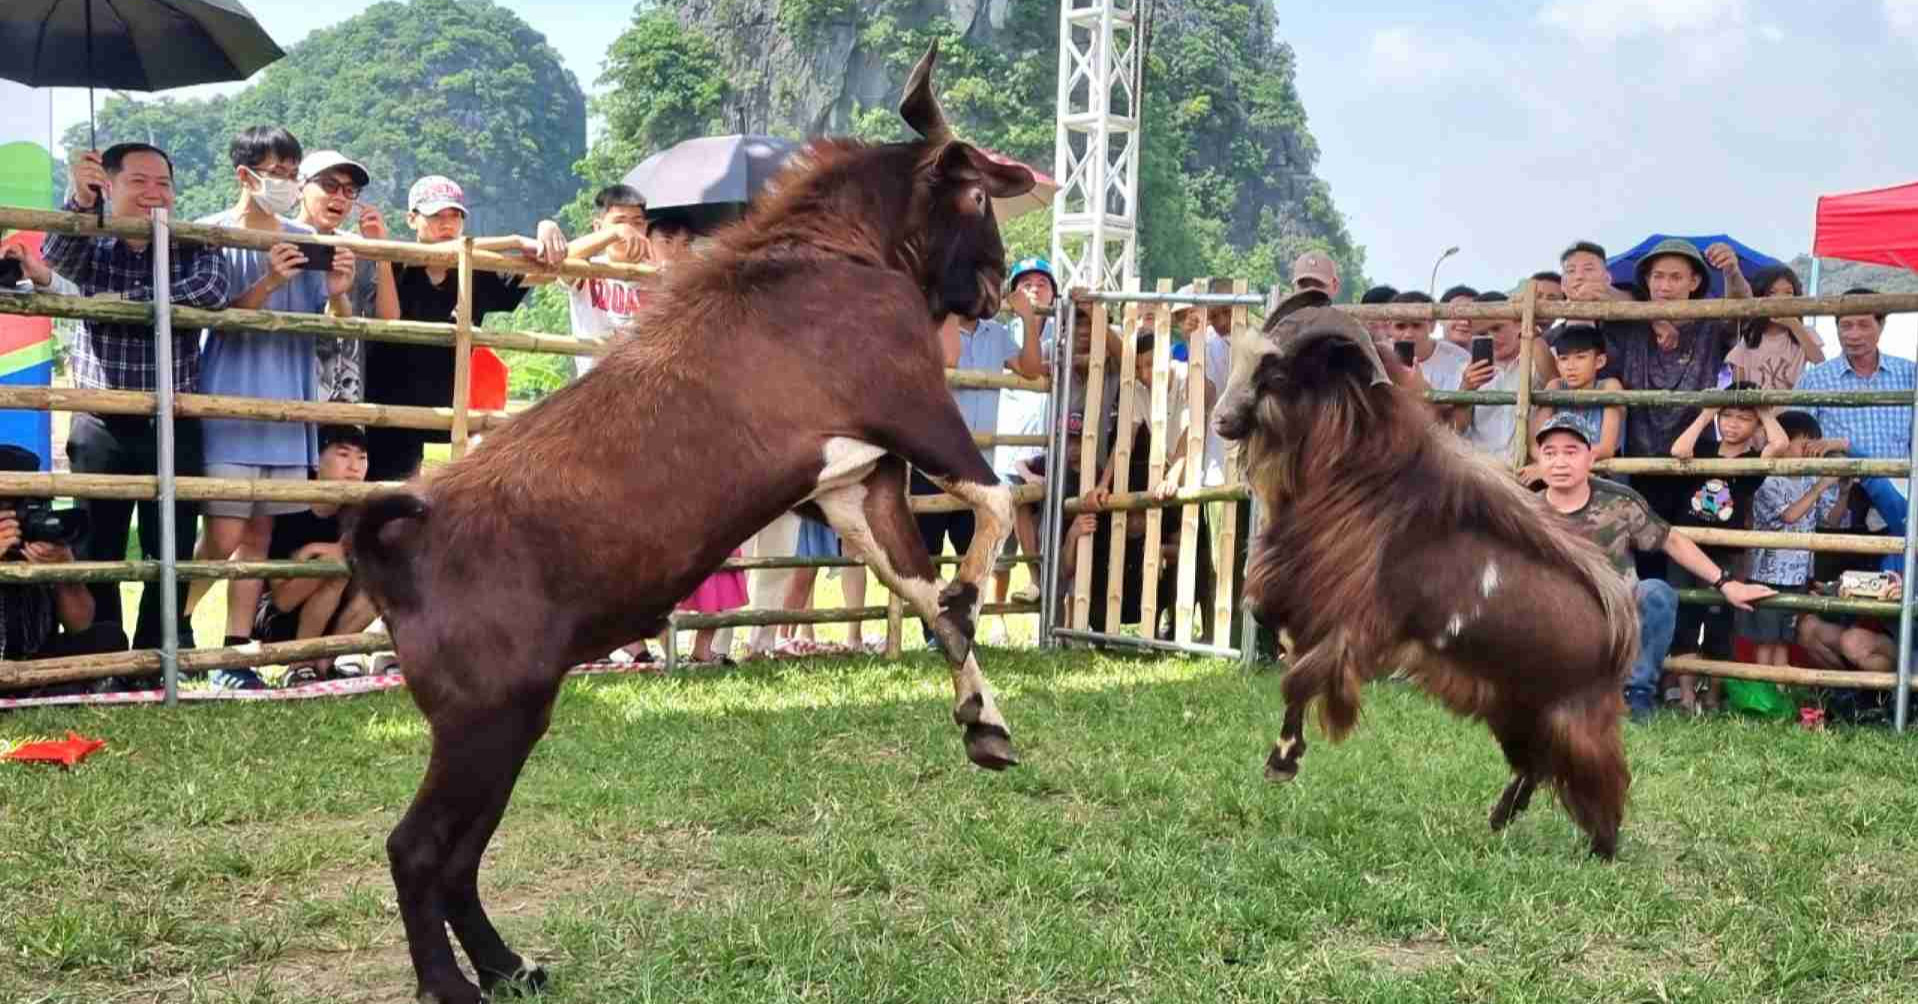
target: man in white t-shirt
601 308
1440 362
1491 427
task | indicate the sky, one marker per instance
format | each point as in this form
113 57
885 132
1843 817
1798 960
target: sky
1511 128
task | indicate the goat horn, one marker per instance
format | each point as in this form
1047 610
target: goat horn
919 108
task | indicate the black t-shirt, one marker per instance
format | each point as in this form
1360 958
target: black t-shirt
298 529
422 375
1723 502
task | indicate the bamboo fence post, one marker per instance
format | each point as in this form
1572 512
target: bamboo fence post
463 349
1788 675
1193 474
1225 555
1122 459
1522 409
1154 518
1093 426
895 606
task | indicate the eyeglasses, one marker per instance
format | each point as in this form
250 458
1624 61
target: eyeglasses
334 186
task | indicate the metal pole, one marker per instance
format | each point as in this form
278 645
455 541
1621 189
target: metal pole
1432 288
163 426
1901 704
1059 405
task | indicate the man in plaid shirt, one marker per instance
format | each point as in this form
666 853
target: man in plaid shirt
135 178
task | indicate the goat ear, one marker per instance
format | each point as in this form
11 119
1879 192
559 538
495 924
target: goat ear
919 108
1001 181
1319 363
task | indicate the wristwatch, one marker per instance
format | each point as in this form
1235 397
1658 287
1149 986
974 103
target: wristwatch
1724 576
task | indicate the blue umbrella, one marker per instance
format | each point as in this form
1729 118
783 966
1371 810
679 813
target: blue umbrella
1624 267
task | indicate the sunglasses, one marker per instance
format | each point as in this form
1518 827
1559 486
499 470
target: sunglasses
334 186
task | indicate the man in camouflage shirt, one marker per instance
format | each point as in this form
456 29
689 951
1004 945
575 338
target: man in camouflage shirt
1621 523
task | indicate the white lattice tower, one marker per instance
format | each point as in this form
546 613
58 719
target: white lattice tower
1095 213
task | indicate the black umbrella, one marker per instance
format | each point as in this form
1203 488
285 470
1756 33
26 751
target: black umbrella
130 45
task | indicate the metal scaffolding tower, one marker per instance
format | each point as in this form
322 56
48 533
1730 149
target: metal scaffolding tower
1095 213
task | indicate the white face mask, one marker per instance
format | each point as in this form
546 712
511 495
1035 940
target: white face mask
277 196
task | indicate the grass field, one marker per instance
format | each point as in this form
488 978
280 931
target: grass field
811 831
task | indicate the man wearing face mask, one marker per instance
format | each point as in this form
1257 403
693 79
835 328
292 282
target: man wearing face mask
135 178
261 364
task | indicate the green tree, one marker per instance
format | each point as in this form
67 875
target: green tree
462 88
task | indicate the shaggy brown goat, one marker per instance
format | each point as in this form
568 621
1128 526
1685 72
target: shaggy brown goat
793 364
1389 543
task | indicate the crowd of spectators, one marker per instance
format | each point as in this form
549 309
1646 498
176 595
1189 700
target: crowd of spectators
280 188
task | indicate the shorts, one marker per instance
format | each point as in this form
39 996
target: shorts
244 509
1768 625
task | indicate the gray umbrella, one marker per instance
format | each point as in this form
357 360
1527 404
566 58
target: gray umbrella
710 170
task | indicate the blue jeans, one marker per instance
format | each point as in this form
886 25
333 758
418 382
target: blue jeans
1657 619
1892 506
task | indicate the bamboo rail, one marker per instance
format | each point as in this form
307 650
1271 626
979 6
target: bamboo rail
133 402
1841 543
1636 310
1788 675
402 252
842 615
145 488
1684 398
1799 602
276 322
1672 465
41 672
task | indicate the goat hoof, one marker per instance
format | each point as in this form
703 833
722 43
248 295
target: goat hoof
989 746
524 980
1605 850
1283 764
470 995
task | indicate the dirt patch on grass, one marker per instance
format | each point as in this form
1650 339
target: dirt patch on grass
1409 957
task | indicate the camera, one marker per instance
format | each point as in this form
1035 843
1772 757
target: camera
41 523
11 272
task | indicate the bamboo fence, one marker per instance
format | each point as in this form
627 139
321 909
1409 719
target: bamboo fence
1527 310
459 420
462 422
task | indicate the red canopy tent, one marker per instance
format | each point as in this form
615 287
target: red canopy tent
1879 226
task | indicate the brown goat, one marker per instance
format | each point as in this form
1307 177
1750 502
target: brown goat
794 364
1389 544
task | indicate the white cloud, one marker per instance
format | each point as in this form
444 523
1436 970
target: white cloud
1605 23
1395 55
1903 17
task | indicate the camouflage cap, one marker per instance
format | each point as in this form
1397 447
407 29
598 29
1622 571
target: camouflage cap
1564 421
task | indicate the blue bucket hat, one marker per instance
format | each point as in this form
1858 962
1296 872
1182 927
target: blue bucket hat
1027 265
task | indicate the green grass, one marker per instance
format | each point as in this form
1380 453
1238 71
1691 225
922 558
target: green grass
811 831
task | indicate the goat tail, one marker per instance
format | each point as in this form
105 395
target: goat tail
380 548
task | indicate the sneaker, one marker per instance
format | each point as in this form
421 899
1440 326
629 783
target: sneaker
357 664
386 662
236 679
300 675
1030 594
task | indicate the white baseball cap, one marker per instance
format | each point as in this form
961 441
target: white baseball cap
321 161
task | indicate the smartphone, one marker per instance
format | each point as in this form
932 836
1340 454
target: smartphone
319 257
11 272
1408 352
1481 348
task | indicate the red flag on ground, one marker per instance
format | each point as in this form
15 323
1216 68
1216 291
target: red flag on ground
67 752
1879 226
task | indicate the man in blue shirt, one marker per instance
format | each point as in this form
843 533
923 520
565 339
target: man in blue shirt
983 347
261 364
1883 432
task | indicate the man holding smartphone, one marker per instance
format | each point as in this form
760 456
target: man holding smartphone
1494 366
330 187
293 277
